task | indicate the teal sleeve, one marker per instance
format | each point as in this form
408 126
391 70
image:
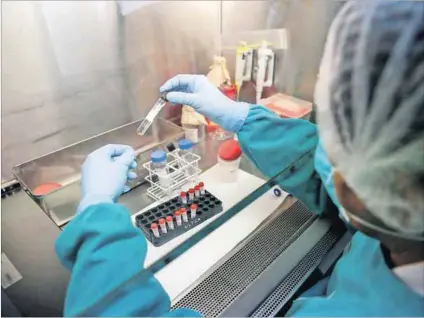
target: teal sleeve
323 167
274 144
105 254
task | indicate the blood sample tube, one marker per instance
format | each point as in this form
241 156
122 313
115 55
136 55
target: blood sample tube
183 197
193 209
191 194
184 214
155 229
178 217
162 225
202 188
170 222
197 191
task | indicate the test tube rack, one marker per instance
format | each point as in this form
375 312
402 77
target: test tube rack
207 206
182 170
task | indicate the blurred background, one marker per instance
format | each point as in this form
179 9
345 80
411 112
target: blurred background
74 69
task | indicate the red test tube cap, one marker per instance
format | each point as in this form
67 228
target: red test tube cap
193 206
191 190
153 226
201 184
169 218
197 188
183 210
162 221
182 194
177 213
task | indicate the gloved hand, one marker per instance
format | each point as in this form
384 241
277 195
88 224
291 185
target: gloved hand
196 91
105 173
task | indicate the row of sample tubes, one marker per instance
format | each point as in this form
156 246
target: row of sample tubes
180 215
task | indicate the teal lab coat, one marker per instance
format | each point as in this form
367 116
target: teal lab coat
105 253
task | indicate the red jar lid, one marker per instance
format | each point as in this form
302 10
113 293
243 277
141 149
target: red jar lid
229 150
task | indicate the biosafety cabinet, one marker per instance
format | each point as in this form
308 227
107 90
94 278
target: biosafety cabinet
260 248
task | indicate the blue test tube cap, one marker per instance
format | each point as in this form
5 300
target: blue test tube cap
158 156
185 144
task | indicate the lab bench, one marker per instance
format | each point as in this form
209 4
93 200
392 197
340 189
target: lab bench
250 259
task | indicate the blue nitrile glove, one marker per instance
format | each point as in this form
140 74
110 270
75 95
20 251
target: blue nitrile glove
105 173
196 91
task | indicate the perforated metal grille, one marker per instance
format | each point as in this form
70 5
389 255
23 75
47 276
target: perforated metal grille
284 291
225 282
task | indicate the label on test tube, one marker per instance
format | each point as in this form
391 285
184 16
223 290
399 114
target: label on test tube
183 197
184 214
155 229
202 188
191 194
178 217
193 209
197 191
170 222
162 225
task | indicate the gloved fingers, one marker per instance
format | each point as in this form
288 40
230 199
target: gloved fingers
112 150
126 188
183 98
133 165
131 175
182 82
127 158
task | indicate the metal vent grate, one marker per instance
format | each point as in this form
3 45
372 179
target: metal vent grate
225 282
284 291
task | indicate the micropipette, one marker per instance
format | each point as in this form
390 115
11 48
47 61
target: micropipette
147 122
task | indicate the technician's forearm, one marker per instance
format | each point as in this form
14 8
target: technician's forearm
274 144
103 250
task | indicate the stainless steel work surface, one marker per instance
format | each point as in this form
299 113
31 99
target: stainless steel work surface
63 167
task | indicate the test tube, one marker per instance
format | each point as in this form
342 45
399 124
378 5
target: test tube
178 217
170 222
191 194
183 197
184 214
193 209
146 122
155 229
162 225
202 188
197 191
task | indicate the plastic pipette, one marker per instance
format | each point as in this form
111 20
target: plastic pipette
147 122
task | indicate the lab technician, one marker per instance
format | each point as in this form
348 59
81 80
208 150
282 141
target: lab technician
369 159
